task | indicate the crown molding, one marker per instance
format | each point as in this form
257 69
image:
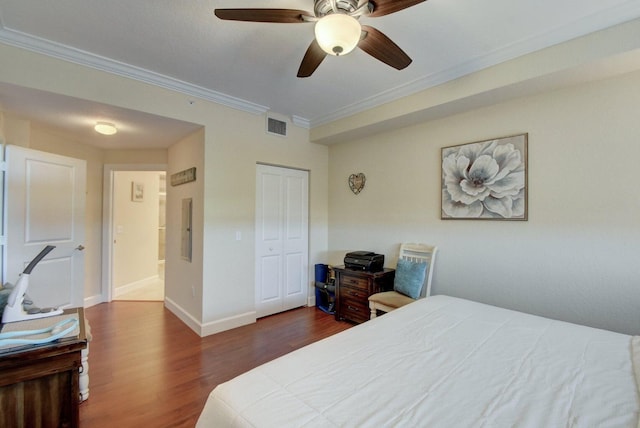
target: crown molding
77 56
620 14
301 122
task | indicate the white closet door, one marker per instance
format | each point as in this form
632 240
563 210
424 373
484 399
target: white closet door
282 239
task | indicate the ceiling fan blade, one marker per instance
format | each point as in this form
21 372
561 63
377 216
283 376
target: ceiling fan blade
287 16
379 46
385 7
312 59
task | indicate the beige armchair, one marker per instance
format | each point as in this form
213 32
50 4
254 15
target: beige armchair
412 281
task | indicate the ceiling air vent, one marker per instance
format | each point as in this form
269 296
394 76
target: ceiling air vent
276 127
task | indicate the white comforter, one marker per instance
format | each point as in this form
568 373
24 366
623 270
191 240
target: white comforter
441 362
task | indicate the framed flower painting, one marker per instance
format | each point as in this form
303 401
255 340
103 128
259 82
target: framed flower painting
486 180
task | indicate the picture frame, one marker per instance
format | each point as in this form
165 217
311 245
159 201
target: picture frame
137 191
485 180
183 177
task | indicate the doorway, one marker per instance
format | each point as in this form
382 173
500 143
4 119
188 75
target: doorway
135 230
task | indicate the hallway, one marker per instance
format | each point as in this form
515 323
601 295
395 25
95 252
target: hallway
151 290
139 233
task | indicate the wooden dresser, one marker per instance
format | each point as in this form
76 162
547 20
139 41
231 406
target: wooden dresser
39 386
353 288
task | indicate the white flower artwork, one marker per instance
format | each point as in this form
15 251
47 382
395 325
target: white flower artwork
485 180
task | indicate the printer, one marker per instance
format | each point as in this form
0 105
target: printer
364 260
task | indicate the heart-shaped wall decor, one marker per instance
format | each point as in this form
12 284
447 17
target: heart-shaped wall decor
356 182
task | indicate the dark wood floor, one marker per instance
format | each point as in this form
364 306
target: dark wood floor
148 369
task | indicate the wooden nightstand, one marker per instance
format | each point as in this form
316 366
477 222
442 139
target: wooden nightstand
353 288
39 385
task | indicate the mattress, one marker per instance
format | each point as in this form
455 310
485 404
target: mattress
441 362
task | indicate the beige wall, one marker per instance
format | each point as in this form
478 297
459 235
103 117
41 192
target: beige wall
183 279
2 125
17 131
147 156
574 259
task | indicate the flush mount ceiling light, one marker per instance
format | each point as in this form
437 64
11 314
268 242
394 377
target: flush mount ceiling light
105 128
338 33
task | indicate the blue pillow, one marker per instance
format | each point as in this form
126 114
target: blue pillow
409 278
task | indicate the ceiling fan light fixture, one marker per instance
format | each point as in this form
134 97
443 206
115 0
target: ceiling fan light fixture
338 33
105 128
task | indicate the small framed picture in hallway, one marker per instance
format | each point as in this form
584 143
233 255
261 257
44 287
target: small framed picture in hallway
137 191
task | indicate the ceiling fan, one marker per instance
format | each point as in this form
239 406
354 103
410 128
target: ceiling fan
337 30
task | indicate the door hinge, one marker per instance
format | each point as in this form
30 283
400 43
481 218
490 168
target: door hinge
3 165
3 240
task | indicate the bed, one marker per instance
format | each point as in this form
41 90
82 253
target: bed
442 362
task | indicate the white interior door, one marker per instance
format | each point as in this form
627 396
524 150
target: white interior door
282 239
44 205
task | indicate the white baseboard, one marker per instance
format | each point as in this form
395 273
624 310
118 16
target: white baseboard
93 300
228 323
201 330
209 328
132 286
184 316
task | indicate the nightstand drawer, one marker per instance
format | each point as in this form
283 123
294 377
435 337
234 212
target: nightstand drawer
355 282
354 293
355 311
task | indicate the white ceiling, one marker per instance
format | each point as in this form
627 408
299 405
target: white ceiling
253 66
